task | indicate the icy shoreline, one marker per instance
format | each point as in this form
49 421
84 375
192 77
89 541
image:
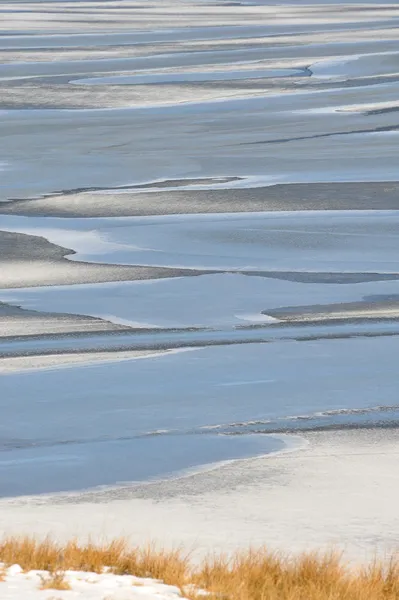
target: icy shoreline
262 501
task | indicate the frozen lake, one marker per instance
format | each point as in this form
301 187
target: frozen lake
199 233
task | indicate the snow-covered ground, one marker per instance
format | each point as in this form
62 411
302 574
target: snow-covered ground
17 585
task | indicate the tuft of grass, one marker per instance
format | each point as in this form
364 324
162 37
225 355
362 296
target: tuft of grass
54 581
29 553
251 575
261 575
47 555
170 566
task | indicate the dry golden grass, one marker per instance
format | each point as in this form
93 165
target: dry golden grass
54 581
252 575
259 575
172 566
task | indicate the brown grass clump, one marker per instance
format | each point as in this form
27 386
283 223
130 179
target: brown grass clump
46 555
54 581
260 575
170 566
251 575
28 553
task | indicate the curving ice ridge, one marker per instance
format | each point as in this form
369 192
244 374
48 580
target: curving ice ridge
199 210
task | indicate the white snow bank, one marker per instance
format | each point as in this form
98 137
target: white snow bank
15 585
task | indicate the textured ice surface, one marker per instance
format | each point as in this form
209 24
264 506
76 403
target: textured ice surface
70 428
205 109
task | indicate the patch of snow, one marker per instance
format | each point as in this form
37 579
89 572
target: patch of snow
84 586
14 570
